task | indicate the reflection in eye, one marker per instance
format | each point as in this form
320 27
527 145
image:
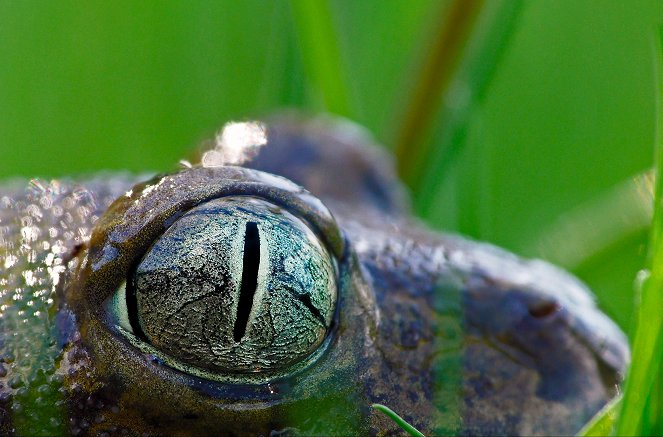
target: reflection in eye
235 285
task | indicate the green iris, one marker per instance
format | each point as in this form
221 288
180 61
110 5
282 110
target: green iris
237 285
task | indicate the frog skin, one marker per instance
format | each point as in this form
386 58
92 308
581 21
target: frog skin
457 336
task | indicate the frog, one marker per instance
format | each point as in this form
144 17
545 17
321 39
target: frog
283 296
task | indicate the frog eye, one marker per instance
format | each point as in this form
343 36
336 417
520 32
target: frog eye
236 284
228 274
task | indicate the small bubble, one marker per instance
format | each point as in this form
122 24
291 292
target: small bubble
34 211
26 222
46 202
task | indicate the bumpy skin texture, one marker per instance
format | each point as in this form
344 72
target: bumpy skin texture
456 336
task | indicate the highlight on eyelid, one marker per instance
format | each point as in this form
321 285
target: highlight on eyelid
236 143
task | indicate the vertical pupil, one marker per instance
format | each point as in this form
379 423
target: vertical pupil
250 264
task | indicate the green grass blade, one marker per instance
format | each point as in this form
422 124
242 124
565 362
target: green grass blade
654 408
647 350
315 28
603 422
637 417
432 79
452 93
398 420
485 50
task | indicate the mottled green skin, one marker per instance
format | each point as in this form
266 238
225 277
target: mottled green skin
454 335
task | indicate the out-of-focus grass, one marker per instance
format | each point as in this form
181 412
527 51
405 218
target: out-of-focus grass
560 113
134 85
553 133
317 37
480 36
434 77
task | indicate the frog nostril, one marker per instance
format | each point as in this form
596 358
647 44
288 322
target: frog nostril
250 264
544 310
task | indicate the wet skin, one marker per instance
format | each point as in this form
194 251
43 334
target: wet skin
454 335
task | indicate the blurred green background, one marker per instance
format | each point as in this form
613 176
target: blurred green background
534 146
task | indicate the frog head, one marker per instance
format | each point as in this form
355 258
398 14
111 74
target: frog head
285 296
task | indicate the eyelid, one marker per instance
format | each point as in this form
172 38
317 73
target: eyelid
176 193
133 222
304 348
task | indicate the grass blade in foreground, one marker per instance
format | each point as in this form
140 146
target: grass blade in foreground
636 418
399 421
604 421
